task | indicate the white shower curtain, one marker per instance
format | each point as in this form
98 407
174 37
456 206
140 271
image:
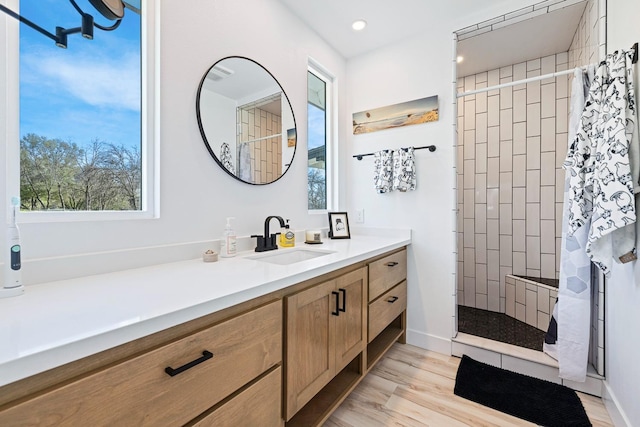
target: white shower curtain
568 337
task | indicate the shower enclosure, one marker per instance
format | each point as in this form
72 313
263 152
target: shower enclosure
511 142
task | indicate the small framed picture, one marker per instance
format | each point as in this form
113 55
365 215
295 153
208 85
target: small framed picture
339 225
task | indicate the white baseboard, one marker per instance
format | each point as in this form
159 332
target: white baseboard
616 413
429 342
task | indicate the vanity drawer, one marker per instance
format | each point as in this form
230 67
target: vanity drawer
258 405
386 308
139 391
387 272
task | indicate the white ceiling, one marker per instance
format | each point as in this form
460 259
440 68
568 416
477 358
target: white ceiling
247 81
537 37
388 21
392 21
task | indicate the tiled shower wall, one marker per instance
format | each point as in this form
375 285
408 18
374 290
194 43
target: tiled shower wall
589 42
511 145
266 154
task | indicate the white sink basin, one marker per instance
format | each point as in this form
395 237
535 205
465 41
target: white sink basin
289 256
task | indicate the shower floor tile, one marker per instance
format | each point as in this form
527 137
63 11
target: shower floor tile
499 327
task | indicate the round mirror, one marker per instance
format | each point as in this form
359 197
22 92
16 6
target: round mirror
246 120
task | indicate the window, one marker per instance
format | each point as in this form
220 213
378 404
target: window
86 115
320 132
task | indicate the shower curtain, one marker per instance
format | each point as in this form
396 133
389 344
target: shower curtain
599 217
572 259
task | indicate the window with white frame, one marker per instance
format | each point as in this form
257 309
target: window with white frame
86 113
320 136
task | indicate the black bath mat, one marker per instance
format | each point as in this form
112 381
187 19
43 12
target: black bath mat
538 401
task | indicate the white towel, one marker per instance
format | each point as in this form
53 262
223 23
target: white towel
245 163
383 171
404 170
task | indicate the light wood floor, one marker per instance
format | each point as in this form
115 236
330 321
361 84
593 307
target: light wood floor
414 387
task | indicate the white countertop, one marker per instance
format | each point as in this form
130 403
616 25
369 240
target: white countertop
58 322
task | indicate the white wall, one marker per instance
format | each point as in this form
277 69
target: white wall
623 289
389 76
195 193
218 117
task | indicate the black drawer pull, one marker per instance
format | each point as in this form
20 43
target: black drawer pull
392 264
392 299
206 355
344 300
337 312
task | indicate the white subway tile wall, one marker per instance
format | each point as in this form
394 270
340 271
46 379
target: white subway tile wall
530 302
510 172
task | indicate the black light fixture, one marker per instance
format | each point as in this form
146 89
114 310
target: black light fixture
110 9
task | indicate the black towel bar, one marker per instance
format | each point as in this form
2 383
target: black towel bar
431 148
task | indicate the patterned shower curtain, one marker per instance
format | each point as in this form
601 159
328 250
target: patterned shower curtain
602 172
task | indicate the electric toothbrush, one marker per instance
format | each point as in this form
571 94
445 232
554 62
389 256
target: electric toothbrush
12 274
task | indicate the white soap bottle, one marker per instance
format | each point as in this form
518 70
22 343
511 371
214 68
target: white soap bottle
228 241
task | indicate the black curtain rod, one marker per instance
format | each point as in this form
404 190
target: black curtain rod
431 148
635 53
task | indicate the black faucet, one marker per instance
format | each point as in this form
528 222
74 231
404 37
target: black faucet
268 242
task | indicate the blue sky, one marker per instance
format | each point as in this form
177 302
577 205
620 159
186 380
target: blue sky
315 126
91 90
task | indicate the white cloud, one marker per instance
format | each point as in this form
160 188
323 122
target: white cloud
104 82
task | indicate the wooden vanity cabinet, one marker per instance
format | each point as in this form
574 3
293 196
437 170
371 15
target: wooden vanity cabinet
325 331
245 365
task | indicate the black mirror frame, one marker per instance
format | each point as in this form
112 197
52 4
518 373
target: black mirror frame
204 136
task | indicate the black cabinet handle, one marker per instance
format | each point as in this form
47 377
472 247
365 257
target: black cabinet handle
392 264
206 355
392 299
337 295
344 300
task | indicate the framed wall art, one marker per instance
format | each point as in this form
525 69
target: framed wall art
339 225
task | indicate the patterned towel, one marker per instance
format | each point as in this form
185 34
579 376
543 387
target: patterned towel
383 172
404 170
226 158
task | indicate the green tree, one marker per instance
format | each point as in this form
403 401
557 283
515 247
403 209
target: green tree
47 171
316 188
55 174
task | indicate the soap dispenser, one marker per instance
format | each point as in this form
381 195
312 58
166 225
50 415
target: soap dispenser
287 237
228 241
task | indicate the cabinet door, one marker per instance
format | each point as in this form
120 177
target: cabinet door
310 358
351 324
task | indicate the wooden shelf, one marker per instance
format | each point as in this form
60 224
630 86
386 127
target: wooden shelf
329 398
379 346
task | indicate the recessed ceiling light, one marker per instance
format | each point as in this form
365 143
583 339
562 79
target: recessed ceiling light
359 25
459 59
